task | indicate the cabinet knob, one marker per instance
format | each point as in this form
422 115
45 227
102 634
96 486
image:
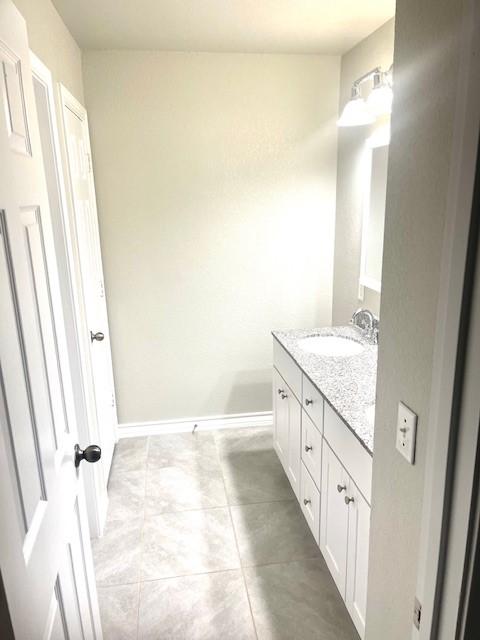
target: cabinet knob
280 391
305 501
308 448
99 336
283 396
341 487
348 500
307 401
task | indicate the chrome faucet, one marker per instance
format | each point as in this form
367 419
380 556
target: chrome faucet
365 320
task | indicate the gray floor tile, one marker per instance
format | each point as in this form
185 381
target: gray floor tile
126 495
205 607
251 468
272 532
130 455
188 542
119 611
230 441
183 486
297 600
177 448
117 554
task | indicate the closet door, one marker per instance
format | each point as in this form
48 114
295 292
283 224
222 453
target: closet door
88 280
334 517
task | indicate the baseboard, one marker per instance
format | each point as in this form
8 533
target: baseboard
208 423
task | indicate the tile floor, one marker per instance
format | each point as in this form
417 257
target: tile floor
205 540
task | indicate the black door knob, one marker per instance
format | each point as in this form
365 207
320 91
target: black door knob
96 336
93 453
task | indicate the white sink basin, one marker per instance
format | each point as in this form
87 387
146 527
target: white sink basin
331 346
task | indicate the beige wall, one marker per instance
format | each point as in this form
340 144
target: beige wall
52 42
425 76
376 50
215 178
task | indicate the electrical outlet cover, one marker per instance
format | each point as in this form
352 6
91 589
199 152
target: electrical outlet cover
406 432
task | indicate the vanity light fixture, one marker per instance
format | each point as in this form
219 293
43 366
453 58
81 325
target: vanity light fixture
380 99
359 112
355 112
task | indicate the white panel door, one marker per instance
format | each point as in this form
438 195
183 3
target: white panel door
45 554
357 563
90 281
334 517
280 418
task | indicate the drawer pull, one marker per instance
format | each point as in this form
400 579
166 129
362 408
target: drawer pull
280 391
307 402
283 396
341 487
308 448
348 500
305 501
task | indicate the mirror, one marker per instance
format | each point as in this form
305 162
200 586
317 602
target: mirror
374 198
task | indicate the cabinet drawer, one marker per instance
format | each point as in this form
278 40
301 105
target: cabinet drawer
312 401
310 503
288 369
312 448
354 457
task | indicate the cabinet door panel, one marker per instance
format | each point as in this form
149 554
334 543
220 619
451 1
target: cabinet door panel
312 402
310 503
357 564
294 442
334 517
312 448
280 418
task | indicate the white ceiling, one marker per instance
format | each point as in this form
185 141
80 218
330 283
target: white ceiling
260 26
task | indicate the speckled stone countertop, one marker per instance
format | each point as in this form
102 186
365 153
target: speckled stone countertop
348 382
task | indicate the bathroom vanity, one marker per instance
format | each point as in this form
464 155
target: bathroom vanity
324 404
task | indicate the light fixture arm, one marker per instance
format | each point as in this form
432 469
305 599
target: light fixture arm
367 76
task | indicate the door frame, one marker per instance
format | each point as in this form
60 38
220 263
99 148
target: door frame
93 477
442 464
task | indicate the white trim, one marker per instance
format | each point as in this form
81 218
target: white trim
459 208
206 423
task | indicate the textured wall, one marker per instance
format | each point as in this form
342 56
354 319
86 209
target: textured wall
215 178
374 51
51 41
425 75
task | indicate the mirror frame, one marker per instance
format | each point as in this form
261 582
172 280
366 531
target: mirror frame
380 138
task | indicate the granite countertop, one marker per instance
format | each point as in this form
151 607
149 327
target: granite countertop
347 383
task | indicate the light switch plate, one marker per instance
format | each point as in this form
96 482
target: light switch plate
406 432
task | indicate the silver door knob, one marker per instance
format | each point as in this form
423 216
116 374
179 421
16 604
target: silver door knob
99 336
308 448
348 500
305 502
341 487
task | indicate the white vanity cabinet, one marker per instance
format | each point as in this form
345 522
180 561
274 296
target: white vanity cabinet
334 517
287 430
331 474
357 559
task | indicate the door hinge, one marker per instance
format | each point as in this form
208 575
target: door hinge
102 289
417 613
113 399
